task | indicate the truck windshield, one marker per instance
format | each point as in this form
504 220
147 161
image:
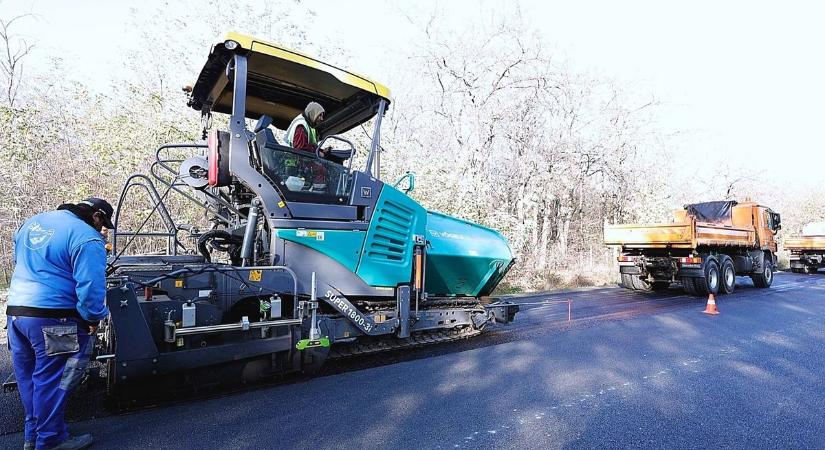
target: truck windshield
302 177
774 221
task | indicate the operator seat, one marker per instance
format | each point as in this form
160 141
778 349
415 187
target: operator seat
266 139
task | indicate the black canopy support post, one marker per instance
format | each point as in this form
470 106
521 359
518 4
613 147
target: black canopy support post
273 204
376 143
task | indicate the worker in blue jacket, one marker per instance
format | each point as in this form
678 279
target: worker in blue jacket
55 302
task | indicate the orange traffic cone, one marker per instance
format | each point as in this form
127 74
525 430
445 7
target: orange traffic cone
711 308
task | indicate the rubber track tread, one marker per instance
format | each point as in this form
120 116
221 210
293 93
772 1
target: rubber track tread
393 343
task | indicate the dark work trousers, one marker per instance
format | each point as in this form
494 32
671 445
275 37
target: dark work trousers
49 357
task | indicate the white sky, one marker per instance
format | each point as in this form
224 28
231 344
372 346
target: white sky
742 80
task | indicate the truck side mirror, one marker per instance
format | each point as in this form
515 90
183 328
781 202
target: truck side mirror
409 177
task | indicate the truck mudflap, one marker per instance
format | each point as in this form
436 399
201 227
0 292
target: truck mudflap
691 272
661 267
630 270
502 311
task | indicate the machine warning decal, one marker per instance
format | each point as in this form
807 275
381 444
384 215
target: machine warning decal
255 275
318 235
281 204
178 283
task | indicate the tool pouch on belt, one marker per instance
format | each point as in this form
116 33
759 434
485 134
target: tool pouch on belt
61 339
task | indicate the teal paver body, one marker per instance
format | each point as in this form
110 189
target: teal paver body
463 258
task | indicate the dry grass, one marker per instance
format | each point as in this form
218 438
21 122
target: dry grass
560 278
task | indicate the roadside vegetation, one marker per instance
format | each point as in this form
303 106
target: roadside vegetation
498 127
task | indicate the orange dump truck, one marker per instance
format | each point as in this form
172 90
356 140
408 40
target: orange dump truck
807 252
705 247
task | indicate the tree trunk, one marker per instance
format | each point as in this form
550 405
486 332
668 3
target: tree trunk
545 235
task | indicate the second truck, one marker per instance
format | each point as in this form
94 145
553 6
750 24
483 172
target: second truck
807 252
705 247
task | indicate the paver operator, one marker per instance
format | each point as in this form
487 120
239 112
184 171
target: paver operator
56 300
301 133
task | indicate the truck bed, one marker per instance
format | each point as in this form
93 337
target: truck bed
685 235
805 243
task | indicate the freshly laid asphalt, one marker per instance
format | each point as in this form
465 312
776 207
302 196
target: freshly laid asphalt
631 370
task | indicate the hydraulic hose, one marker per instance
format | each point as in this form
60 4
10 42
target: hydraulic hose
220 240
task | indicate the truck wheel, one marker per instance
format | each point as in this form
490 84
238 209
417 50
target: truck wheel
641 284
796 269
810 269
627 281
728 277
764 278
689 286
709 284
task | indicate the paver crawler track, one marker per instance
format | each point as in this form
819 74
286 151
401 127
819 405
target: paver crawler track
388 343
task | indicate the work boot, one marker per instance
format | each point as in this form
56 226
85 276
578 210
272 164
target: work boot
28 445
75 443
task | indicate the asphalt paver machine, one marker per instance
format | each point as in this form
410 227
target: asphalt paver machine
305 259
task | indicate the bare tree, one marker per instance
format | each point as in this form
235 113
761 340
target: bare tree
502 134
15 49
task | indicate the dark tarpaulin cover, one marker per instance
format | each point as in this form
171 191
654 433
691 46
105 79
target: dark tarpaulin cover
713 212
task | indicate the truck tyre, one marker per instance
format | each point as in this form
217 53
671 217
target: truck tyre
797 270
727 276
709 284
764 278
627 281
810 269
689 286
641 284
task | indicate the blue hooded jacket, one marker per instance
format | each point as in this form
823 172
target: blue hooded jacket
60 263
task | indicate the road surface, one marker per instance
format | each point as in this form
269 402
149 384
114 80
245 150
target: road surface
631 370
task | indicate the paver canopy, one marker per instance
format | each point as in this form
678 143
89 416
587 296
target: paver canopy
281 82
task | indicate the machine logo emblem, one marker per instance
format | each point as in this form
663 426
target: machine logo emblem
366 192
